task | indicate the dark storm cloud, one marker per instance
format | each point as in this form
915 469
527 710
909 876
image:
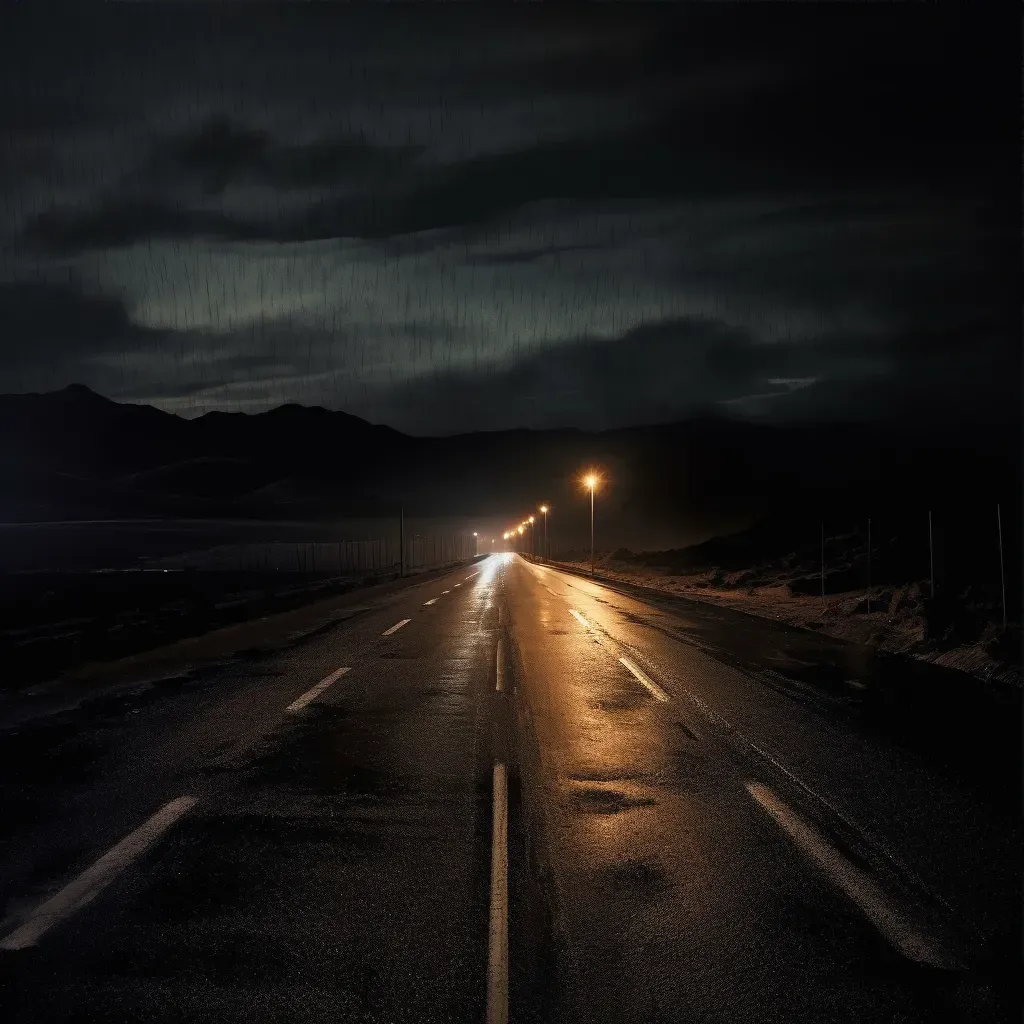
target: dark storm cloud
786 131
116 222
223 153
47 321
220 153
527 255
623 216
737 129
650 374
685 368
36 115
52 334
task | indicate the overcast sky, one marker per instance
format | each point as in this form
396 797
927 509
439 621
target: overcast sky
449 219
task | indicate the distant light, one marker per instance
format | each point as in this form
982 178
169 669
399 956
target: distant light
474 533
531 519
520 529
544 509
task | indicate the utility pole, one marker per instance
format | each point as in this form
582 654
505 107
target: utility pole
1002 569
591 530
401 541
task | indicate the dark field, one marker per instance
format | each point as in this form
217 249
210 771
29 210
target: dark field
105 590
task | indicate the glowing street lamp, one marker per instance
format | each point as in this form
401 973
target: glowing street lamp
591 480
544 509
475 545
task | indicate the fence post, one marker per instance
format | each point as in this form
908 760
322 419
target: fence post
823 560
1002 569
931 554
869 565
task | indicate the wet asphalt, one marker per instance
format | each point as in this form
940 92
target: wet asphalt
736 823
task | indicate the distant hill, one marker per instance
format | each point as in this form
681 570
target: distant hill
74 454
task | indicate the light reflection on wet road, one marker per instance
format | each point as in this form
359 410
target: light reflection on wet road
684 841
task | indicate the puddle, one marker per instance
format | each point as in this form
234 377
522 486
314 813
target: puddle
639 877
594 800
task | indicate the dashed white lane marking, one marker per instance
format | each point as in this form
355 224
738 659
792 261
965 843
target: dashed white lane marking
94 879
645 680
445 591
499 668
433 600
579 618
471 575
301 702
897 926
458 584
497 940
395 627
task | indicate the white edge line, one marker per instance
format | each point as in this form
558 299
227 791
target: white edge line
873 840
895 925
499 669
579 618
312 694
497 938
646 680
94 879
396 626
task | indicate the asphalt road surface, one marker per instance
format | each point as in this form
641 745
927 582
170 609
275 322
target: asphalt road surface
507 793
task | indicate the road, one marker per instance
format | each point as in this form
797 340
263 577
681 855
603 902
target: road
505 793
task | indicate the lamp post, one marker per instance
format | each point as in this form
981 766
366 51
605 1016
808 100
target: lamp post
533 537
591 482
544 509
475 545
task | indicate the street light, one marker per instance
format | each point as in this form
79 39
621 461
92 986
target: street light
475 545
544 509
591 480
533 537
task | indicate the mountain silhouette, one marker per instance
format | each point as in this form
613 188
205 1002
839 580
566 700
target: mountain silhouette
74 454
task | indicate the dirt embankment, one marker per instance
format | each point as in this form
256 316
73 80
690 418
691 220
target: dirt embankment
964 633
